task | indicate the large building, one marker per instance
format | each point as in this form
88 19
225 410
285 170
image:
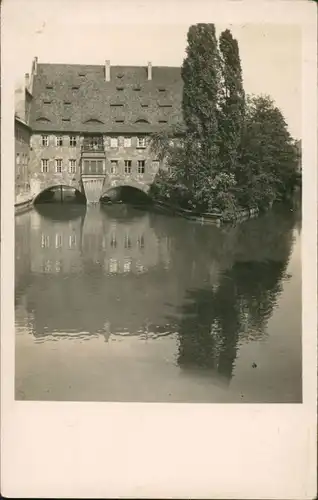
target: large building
91 124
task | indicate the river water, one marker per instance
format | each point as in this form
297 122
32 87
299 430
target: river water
118 304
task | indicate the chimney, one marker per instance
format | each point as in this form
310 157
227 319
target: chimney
27 80
35 66
149 71
107 71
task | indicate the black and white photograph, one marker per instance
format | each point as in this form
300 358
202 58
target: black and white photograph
158 216
157 206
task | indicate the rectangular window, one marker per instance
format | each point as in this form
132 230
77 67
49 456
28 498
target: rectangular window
99 166
114 142
127 166
18 158
44 166
45 140
72 166
59 141
141 166
58 166
72 141
113 166
86 166
141 142
127 142
155 164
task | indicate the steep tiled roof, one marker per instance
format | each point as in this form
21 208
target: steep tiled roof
77 98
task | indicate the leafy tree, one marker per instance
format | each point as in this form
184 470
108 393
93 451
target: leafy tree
269 161
231 102
201 76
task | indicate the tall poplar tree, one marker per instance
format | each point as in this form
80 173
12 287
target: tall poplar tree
231 102
201 74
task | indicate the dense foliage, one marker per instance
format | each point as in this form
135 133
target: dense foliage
233 152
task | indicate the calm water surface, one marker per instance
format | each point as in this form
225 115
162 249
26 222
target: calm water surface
117 304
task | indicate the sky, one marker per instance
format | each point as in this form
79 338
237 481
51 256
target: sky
90 32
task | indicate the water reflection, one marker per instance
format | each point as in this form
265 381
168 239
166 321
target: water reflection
116 272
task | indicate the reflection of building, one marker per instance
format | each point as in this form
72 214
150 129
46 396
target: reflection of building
22 251
122 246
55 245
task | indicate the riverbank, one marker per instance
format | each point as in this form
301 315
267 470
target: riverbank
214 218
23 204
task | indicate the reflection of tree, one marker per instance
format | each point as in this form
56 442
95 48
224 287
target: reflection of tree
214 320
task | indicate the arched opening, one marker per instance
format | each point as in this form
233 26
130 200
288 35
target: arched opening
61 194
126 194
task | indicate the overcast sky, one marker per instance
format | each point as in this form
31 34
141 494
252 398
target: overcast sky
88 32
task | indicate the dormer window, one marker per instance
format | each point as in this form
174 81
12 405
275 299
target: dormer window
75 87
120 88
43 119
47 101
137 88
49 86
93 120
67 103
66 120
141 120
161 89
116 104
82 74
162 121
119 120
120 75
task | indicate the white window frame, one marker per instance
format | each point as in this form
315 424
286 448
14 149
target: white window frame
58 240
18 158
114 166
72 166
141 165
114 142
141 142
45 140
59 140
155 164
127 167
44 165
58 164
73 141
127 142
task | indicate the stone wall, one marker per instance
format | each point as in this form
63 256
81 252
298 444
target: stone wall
40 181
43 180
22 161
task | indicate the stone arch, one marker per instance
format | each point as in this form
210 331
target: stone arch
140 186
46 189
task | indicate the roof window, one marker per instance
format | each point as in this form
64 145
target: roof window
161 89
141 120
75 87
120 88
163 121
67 103
49 86
120 75
119 120
116 104
46 101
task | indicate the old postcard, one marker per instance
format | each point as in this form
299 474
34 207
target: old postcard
158 258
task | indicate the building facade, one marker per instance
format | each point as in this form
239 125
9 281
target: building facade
91 125
22 134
